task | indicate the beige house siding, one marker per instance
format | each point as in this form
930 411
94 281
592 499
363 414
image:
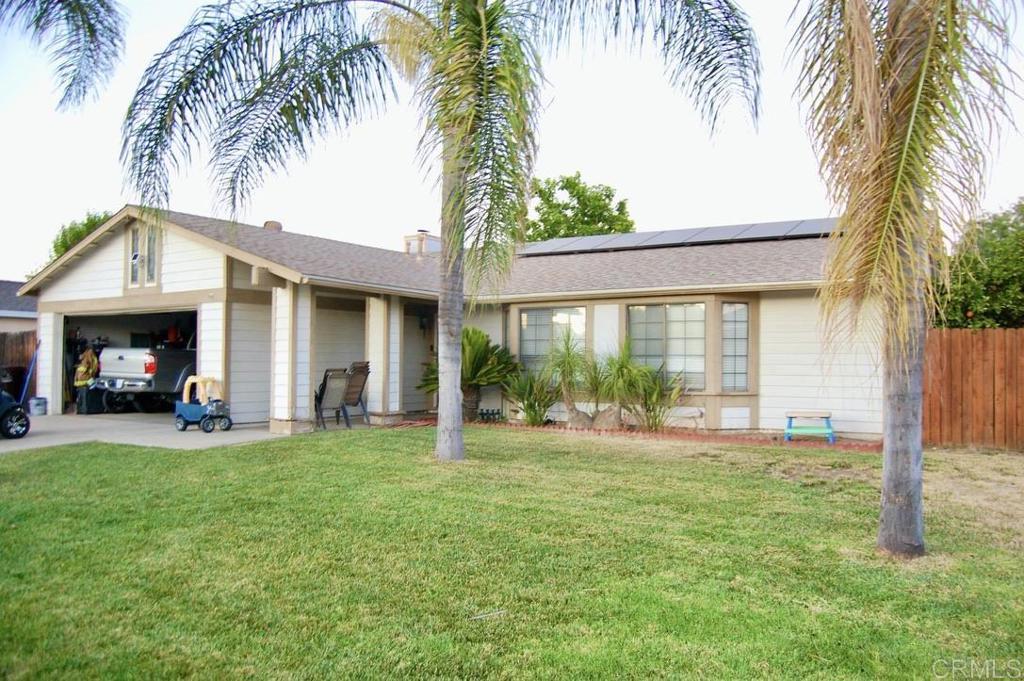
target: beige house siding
303 354
188 265
340 338
416 352
98 273
394 357
491 320
49 363
798 373
249 362
211 339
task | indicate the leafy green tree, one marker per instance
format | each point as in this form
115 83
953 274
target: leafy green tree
262 80
986 283
84 39
73 232
901 96
586 210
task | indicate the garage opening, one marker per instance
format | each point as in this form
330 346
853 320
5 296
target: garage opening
143 359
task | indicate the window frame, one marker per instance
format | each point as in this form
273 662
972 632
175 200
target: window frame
530 360
143 242
666 338
748 348
134 256
151 259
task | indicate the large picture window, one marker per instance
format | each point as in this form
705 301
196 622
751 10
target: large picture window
735 346
671 338
540 327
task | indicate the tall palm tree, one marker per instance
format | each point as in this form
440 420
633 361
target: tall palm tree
262 80
902 99
83 37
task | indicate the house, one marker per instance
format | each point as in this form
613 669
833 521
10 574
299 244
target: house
17 313
733 308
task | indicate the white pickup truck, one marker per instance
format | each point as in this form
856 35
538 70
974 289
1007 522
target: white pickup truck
140 377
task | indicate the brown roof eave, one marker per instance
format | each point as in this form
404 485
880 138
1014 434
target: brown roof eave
643 292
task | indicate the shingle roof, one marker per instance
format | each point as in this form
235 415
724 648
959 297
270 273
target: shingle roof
317 257
11 302
746 263
713 265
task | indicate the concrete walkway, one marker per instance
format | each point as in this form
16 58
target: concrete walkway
149 430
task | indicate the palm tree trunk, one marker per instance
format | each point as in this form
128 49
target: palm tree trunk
450 445
901 525
901 521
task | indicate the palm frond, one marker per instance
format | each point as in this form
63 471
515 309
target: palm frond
409 39
259 80
902 101
708 46
321 84
84 38
480 102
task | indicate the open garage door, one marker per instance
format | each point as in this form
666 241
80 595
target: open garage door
142 356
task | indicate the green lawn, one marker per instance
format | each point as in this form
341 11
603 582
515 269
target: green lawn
545 555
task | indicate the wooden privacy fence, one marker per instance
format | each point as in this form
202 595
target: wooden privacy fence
972 388
16 352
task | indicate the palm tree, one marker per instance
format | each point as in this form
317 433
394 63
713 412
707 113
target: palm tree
262 80
84 39
902 97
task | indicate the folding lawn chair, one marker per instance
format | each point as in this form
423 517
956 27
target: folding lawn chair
339 390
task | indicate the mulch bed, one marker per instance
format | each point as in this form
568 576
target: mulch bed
687 434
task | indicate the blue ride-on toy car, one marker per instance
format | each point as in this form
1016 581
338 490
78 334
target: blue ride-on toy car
206 410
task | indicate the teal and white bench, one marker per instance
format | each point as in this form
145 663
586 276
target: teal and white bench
823 427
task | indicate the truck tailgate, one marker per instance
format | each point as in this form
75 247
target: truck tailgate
123 363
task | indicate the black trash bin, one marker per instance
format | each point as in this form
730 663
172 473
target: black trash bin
90 400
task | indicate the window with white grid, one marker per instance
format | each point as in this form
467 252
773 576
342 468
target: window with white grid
670 338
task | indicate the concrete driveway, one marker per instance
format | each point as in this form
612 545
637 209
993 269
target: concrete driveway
149 430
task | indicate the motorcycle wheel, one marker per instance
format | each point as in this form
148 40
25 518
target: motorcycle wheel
15 424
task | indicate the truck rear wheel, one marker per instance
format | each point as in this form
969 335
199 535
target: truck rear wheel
118 403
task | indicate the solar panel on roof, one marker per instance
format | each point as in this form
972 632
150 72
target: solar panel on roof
819 227
583 243
768 230
793 229
673 237
548 246
622 241
601 242
724 233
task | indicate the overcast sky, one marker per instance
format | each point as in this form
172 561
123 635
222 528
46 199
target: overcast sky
608 114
